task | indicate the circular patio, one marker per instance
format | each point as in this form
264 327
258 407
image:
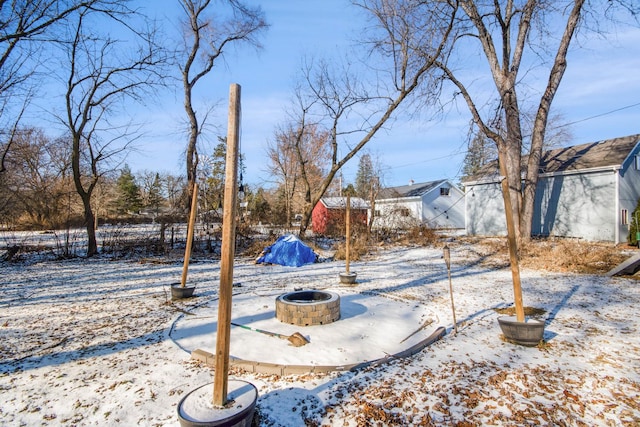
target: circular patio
371 328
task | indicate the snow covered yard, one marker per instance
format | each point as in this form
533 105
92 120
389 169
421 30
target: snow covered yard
87 342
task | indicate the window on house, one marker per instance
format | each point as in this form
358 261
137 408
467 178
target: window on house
402 212
624 217
638 162
444 191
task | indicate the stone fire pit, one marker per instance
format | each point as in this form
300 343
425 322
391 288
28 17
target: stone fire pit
305 308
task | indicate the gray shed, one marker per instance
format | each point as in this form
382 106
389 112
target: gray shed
586 191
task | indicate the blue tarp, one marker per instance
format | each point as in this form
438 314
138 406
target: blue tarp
287 250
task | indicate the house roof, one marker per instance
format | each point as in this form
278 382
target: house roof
341 203
606 153
411 190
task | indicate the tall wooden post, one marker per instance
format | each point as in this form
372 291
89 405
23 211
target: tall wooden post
511 237
347 221
228 250
192 220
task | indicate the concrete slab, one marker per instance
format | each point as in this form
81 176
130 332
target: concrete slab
372 328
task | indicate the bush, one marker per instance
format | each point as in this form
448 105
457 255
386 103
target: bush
634 227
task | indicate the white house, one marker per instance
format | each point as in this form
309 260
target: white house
436 204
587 191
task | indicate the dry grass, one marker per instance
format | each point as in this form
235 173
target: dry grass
357 249
422 236
572 256
256 246
528 311
557 255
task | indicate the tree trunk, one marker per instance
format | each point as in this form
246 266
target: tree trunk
85 196
511 154
92 244
304 223
192 153
542 115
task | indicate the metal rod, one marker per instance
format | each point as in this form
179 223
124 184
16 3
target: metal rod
447 260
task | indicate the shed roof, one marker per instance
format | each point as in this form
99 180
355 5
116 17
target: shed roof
610 152
341 203
411 190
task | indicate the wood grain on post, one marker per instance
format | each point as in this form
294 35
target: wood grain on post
192 220
228 250
513 244
347 232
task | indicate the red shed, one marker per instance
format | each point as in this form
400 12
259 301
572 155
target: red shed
328 215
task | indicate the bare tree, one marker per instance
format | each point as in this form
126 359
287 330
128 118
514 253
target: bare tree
513 36
36 184
26 27
298 158
339 101
205 41
99 79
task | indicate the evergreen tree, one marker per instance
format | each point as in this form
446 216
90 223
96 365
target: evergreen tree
365 177
129 199
155 198
349 190
481 150
259 206
215 179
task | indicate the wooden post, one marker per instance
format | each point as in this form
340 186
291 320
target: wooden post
447 260
228 250
347 222
192 220
511 238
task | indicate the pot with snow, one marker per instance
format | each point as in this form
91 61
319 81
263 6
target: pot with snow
180 292
528 333
196 409
348 278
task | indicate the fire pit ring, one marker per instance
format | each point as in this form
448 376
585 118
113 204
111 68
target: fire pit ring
306 308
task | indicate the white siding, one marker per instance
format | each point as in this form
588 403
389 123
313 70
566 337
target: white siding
629 192
398 213
432 209
484 210
581 205
440 211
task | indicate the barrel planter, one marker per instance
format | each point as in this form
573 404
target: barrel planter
528 333
348 278
196 409
180 292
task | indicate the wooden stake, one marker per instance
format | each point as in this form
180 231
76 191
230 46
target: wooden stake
447 260
347 232
192 220
228 250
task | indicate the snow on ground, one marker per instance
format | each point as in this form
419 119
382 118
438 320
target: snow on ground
98 342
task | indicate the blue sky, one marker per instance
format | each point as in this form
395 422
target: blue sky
600 95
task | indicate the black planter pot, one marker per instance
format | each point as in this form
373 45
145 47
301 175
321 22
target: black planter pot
528 333
179 292
196 408
348 278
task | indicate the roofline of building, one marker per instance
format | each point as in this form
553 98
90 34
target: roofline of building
612 168
441 181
